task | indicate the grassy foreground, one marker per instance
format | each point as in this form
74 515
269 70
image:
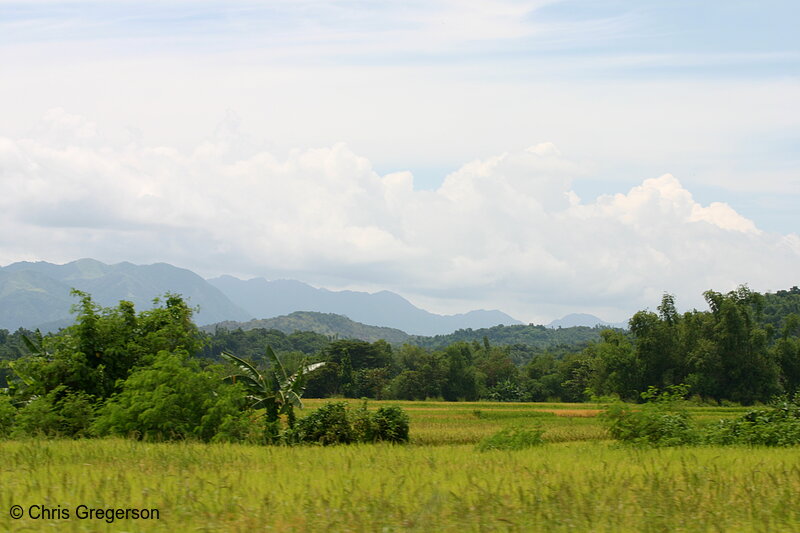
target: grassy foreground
438 483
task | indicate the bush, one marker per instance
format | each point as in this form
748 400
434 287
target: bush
391 424
60 413
76 411
505 391
512 438
36 418
777 425
662 421
329 424
364 427
7 415
334 423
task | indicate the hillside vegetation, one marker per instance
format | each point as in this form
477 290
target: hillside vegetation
327 324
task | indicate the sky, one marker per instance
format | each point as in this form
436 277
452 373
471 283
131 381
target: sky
540 157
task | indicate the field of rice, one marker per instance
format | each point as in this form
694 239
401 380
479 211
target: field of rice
577 481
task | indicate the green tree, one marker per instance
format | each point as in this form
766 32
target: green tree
462 380
616 368
540 379
103 347
787 353
748 370
423 376
173 398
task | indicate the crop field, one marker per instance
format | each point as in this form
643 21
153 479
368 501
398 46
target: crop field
578 480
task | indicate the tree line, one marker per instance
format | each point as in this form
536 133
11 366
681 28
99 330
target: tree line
745 348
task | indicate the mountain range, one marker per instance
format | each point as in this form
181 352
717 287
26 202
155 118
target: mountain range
37 295
262 298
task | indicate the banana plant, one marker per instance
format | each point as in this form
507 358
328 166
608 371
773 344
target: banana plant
23 389
274 390
36 345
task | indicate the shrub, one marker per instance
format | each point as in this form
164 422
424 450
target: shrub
76 410
777 425
512 438
661 421
7 415
391 424
334 423
505 391
364 427
36 418
60 413
327 425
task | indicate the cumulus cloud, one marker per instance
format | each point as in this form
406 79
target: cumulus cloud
501 232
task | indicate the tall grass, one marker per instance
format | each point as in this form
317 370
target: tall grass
560 487
577 481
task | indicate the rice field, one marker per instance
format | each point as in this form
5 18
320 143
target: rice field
577 481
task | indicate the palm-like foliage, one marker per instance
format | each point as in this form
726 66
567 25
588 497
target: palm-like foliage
24 388
274 390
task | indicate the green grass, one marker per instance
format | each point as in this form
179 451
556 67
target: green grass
576 481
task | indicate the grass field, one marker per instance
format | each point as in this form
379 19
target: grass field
577 481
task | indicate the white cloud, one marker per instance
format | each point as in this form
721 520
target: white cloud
501 232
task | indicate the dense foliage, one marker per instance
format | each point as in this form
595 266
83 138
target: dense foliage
99 375
744 349
775 425
174 399
526 337
664 420
116 372
727 353
661 421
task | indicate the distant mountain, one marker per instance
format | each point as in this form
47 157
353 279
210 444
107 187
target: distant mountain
323 323
583 319
264 298
38 294
30 299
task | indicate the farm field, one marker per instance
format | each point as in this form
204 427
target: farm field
577 481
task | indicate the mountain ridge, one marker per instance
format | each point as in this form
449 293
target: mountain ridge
384 308
46 302
37 295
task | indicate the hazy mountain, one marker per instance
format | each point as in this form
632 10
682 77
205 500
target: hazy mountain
324 323
29 299
38 294
264 298
583 319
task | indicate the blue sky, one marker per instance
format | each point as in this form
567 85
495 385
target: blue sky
613 93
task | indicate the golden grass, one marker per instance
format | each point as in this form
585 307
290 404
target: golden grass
581 413
577 481
583 486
